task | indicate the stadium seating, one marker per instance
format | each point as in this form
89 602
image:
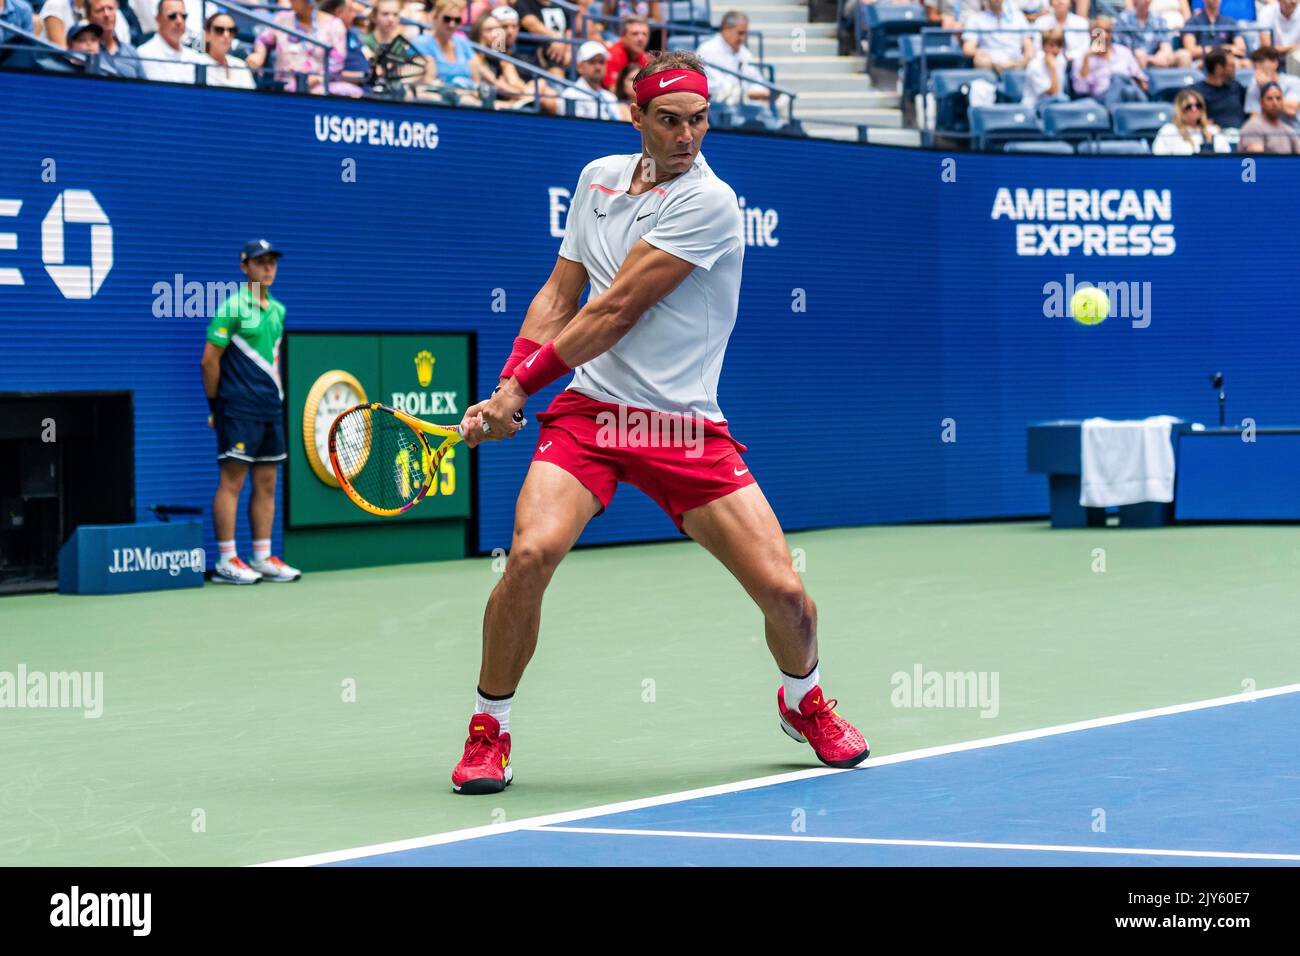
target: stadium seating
1116 147
1011 86
1052 146
1165 82
696 13
1141 119
890 34
993 126
724 116
884 24
1076 120
942 52
757 117
951 89
246 27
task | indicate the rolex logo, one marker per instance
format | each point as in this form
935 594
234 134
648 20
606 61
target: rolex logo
424 367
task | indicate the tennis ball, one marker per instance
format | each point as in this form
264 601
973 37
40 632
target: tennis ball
1090 306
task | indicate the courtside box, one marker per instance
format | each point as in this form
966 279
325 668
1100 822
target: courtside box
119 558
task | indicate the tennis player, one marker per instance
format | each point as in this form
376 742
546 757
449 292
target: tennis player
660 239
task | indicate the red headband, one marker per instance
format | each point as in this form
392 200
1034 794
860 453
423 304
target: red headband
670 81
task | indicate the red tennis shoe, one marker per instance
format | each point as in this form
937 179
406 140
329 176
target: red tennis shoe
834 740
485 765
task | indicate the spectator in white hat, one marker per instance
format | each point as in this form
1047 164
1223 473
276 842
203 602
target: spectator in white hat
509 20
590 99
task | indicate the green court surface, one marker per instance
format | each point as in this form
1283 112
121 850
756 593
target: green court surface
226 737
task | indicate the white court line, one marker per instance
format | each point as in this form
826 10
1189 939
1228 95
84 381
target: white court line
569 816
947 844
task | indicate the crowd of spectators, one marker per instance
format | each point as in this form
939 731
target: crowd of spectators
537 54
1247 50
506 53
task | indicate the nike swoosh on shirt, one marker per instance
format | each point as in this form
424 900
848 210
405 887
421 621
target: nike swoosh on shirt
663 83
639 218
739 473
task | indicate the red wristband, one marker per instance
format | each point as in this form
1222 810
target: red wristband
540 369
522 349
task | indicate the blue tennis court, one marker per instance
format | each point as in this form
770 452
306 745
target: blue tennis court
1218 785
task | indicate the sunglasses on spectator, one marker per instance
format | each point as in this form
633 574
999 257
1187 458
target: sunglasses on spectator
451 19
1191 106
223 31
178 16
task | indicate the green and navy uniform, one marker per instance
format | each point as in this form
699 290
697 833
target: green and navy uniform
249 414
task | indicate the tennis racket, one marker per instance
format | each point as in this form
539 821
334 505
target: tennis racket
384 459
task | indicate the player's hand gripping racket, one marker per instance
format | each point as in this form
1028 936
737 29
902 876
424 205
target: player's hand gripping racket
383 458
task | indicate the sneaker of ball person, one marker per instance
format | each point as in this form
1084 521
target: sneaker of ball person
274 570
834 740
233 570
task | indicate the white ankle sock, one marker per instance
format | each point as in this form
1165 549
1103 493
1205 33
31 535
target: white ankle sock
500 709
262 549
225 551
796 688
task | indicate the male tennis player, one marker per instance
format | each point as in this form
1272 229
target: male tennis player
246 402
660 239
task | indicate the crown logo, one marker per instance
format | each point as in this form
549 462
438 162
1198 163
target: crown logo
424 367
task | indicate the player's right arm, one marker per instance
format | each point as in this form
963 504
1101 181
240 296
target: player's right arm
556 303
554 306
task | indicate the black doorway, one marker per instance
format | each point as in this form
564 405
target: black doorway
66 459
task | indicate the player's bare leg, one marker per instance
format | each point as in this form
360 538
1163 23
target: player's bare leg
552 509
741 531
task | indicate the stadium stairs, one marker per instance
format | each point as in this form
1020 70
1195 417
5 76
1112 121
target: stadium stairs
832 88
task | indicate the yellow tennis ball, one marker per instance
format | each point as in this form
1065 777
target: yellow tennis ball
1090 306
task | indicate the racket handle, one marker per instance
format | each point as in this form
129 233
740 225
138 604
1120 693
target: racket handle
519 418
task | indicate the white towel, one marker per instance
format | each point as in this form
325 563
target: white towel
1127 462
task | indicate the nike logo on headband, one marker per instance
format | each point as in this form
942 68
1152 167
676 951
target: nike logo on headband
663 83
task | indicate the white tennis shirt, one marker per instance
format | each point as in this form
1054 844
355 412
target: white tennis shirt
671 359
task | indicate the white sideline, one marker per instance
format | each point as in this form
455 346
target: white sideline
947 844
570 816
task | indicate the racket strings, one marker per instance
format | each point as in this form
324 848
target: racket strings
381 457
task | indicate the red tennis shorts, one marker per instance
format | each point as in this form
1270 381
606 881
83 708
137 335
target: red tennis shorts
679 461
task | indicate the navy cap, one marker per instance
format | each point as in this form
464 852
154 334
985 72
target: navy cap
81 28
258 247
